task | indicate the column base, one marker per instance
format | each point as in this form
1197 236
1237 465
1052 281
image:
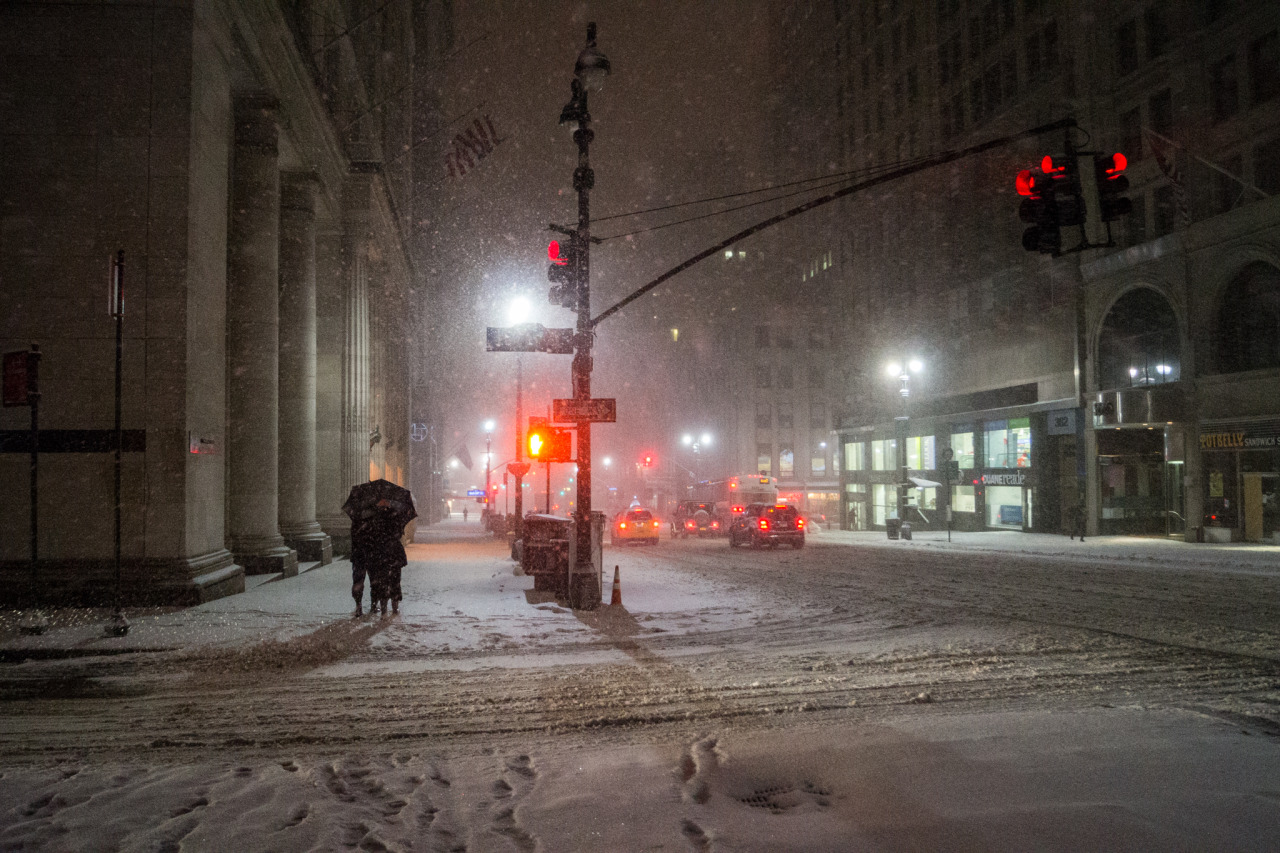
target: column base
313 546
266 556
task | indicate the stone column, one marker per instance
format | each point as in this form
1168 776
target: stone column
297 469
253 343
331 479
355 362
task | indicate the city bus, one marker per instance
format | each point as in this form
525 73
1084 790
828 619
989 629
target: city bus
733 493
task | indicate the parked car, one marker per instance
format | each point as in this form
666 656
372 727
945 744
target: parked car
634 524
767 524
695 518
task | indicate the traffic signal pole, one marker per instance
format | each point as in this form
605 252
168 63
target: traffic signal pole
583 179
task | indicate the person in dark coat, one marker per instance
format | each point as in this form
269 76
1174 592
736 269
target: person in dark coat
376 550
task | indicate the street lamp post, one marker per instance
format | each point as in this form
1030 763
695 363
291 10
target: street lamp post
696 445
588 74
902 372
488 465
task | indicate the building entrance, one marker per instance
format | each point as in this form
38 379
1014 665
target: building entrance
1261 507
1131 482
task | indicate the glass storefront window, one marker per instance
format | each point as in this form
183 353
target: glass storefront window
786 463
884 454
962 499
1004 506
884 500
920 453
962 447
853 460
1008 443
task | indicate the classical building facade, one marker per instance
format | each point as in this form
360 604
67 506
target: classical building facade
244 157
1132 383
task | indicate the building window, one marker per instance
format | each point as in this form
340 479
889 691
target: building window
1131 134
764 416
853 460
920 453
786 378
817 338
1266 167
962 448
1157 27
1136 222
962 499
1249 321
1225 191
764 460
762 337
1160 112
817 416
884 454
1224 89
1166 209
1138 345
1264 67
884 500
1008 443
1127 47
785 416
786 463
763 377
816 378
818 463
784 338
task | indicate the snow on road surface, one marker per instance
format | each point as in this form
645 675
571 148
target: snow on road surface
849 696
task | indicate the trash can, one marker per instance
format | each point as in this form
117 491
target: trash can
906 530
892 527
546 551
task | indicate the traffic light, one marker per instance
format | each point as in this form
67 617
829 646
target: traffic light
564 272
1112 185
548 444
1038 209
647 460
1068 202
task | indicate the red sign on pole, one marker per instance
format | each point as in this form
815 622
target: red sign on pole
16 379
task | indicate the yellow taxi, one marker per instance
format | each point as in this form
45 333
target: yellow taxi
634 524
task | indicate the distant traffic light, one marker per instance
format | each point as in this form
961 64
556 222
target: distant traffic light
1039 210
564 272
647 460
1112 185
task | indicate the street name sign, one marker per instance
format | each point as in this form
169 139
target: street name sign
475 493
529 337
602 410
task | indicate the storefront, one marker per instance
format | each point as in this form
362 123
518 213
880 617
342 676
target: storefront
1241 463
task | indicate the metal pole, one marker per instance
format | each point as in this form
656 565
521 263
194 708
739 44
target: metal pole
33 398
583 180
119 626
520 469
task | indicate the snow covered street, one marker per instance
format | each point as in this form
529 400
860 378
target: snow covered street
859 694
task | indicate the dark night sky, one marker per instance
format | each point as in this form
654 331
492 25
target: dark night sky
680 118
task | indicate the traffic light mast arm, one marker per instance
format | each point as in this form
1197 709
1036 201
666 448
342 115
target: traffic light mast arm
936 160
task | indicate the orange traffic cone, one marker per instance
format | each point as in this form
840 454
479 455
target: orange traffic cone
616 600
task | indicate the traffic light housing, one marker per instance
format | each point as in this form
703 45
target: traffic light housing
545 443
1112 185
1068 202
1039 209
564 272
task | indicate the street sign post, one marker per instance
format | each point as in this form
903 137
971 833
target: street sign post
601 410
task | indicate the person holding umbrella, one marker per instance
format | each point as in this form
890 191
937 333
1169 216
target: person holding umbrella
378 510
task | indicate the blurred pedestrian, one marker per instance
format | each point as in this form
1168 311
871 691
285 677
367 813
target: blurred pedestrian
464 513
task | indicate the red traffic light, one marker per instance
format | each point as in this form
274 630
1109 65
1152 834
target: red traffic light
553 252
1029 183
1113 166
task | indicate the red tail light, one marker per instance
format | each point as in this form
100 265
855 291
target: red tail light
622 525
800 523
690 524
715 525
762 523
738 508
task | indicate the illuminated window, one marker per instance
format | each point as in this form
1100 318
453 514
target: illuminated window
853 460
962 448
884 454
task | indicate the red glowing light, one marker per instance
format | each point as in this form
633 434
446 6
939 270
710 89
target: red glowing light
553 252
1026 183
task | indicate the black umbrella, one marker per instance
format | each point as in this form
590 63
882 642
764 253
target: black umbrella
380 497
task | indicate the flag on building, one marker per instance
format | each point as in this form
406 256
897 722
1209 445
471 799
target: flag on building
1164 153
463 456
